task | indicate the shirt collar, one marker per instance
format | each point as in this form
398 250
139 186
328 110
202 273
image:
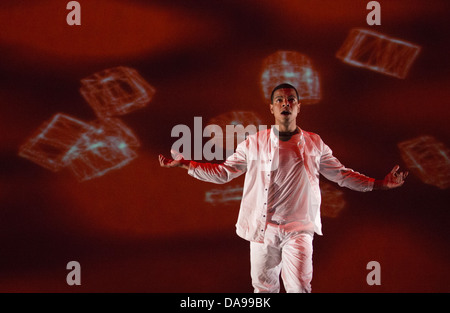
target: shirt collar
276 141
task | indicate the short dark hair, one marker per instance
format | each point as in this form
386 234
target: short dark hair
282 86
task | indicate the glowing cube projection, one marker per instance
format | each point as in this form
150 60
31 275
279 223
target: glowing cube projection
107 146
227 195
233 125
333 201
88 149
428 159
114 127
116 91
52 141
378 52
293 68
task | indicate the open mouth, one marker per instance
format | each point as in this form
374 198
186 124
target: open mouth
286 113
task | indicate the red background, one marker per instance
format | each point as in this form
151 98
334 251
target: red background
147 229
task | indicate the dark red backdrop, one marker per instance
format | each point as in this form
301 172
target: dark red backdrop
147 229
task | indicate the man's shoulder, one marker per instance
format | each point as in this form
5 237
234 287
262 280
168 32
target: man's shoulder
311 136
312 140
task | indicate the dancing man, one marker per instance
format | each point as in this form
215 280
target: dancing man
280 207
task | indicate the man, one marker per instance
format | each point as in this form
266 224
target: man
280 207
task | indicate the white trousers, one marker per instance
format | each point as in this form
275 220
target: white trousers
291 255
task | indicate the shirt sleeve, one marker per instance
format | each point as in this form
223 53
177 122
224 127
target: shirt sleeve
234 166
332 169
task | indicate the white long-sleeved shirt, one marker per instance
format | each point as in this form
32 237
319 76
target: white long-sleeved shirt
258 157
287 207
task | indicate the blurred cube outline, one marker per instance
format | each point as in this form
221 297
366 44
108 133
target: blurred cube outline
377 52
428 159
88 149
333 201
109 145
51 142
225 195
294 68
116 91
91 149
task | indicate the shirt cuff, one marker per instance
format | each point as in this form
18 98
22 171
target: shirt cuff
191 168
370 184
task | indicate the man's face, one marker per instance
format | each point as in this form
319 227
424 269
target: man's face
285 106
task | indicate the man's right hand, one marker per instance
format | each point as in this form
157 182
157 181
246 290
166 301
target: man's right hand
165 162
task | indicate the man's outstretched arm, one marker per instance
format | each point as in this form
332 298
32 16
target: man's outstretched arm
234 166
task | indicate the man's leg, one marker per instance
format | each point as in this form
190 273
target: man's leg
265 267
297 265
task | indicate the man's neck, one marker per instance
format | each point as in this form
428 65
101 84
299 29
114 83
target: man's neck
286 135
282 128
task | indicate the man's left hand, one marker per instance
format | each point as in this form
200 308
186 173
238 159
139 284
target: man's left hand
392 180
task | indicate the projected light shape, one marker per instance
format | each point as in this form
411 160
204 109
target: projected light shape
294 68
115 127
428 159
241 125
333 201
116 91
52 141
108 146
227 195
378 52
